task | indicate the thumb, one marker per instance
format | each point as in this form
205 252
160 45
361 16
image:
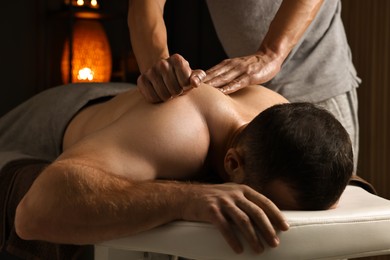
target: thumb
197 77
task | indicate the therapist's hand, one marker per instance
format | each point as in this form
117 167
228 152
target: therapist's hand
169 78
233 74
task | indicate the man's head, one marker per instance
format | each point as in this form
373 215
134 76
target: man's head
295 149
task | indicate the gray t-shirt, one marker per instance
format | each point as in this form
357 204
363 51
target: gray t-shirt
318 68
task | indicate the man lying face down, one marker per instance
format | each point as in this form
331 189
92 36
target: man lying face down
129 166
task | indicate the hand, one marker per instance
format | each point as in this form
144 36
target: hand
233 74
169 78
248 210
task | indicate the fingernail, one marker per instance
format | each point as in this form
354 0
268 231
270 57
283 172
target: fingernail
286 226
197 80
276 241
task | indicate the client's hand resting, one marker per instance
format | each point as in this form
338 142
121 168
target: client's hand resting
169 78
228 205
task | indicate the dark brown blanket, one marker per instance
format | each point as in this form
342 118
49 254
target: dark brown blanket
15 180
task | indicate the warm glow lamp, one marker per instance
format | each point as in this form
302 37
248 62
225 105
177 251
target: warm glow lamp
91 54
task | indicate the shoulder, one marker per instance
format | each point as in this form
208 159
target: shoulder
256 98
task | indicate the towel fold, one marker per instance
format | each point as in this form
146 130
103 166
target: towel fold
362 183
15 180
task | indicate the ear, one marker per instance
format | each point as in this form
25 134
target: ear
233 164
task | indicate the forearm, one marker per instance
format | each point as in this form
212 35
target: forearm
147 32
288 26
74 204
81 205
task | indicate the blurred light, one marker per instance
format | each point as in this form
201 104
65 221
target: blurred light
94 4
83 3
85 74
91 59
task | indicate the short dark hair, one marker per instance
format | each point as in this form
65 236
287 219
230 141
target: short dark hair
302 145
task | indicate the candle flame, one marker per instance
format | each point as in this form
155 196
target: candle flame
85 74
94 4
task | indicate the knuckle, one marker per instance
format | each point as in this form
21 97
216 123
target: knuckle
163 66
225 202
213 212
252 68
177 59
244 220
146 76
244 187
176 56
226 61
267 202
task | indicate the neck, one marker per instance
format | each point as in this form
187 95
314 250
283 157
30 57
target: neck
221 150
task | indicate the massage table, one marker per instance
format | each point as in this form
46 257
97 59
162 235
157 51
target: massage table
358 227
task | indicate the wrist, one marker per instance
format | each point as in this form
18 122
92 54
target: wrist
178 196
188 201
272 57
275 53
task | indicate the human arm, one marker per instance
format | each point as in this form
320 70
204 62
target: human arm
162 76
289 24
80 204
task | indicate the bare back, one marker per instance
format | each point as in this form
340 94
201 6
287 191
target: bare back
171 140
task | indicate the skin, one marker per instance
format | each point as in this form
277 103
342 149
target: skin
164 75
122 164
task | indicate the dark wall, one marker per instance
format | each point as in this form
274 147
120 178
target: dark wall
192 34
20 51
367 26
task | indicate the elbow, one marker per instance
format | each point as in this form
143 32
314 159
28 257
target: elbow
31 224
27 226
36 216
34 221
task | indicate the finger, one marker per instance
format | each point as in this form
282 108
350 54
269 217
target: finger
270 209
170 80
236 84
197 77
222 224
182 69
245 225
158 84
147 91
228 76
173 85
218 69
262 222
